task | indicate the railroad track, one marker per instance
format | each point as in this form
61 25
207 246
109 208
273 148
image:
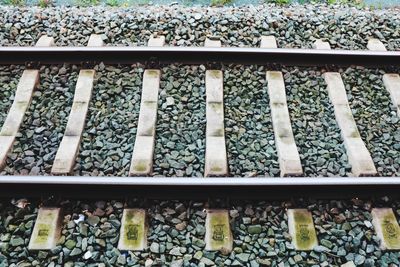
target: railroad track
365 178
216 183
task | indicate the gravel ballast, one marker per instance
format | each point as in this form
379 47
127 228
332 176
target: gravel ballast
247 115
316 132
181 124
108 139
377 121
9 81
176 228
176 235
44 123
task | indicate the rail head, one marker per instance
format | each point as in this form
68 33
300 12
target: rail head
197 55
200 181
199 188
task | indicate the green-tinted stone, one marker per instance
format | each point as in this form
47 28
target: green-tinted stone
254 229
198 255
93 220
17 241
243 257
70 244
75 252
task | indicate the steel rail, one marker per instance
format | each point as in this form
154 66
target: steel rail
198 188
197 55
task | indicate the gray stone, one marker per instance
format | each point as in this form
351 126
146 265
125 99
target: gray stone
155 247
16 241
243 257
254 229
75 252
175 251
93 220
70 244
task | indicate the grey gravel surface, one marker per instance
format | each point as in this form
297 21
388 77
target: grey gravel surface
9 81
176 235
180 130
109 135
177 231
249 134
294 26
44 123
315 129
376 118
180 135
